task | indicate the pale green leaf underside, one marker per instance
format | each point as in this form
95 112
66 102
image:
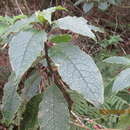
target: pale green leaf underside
79 71
87 7
122 80
53 111
31 86
103 5
75 24
118 60
24 49
11 101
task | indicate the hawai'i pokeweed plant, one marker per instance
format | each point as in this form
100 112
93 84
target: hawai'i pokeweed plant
45 66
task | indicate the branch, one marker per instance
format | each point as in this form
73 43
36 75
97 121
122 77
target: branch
79 121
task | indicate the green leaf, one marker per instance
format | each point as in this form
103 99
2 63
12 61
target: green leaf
19 17
113 40
6 20
124 121
79 71
122 80
3 27
30 119
40 17
24 49
2 19
118 60
31 86
11 101
60 8
53 111
61 38
75 24
11 20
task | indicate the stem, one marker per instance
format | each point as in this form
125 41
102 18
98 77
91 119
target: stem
56 78
79 121
62 87
48 62
47 58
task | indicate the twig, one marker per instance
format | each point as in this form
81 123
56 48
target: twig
26 6
123 50
80 122
62 87
4 46
126 7
116 23
18 7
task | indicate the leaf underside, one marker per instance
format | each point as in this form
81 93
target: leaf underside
53 111
118 60
75 24
122 80
79 71
11 101
24 49
31 86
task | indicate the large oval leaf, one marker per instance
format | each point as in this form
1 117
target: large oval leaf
79 71
11 101
24 49
53 111
75 24
118 60
122 81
